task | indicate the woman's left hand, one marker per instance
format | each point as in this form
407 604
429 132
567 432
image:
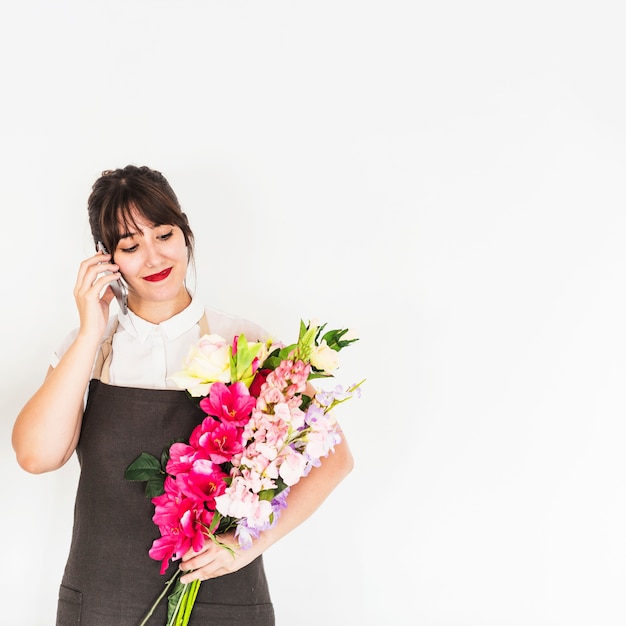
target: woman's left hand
214 560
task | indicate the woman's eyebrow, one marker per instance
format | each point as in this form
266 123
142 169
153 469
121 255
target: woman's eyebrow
130 234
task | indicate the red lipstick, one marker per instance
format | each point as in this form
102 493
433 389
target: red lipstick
155 278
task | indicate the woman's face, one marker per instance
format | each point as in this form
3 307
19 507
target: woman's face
153 262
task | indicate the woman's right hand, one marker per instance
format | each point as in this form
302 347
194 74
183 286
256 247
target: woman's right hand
93 310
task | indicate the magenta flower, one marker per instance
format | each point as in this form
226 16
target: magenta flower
181 458
181 521
232 404
203 483
186 529
163 549
166 505
218 441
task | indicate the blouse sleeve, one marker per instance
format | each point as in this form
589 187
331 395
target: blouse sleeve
57 355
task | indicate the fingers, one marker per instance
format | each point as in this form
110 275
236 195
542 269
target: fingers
196 560
92 273
92 293
89 263
213 562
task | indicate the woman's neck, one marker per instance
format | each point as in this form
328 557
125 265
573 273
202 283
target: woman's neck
155 311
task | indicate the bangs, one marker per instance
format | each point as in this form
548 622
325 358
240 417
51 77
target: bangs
119 218
126 219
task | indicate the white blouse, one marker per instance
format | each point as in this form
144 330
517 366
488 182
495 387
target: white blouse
145 355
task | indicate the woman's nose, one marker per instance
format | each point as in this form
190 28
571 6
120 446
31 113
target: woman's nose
153 256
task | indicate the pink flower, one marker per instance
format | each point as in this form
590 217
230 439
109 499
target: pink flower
290 377
181 458
292 468
167 503
204 482
163 549
219 441
181 521
240 501
269 396
231 404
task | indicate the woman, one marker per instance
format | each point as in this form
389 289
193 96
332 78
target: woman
107 397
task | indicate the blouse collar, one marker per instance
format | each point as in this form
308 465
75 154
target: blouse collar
172 328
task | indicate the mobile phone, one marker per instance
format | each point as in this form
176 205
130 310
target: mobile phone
118 287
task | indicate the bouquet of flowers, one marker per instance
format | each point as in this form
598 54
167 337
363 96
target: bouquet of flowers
265 429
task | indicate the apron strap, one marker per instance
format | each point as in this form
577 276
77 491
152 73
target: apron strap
204 325
103 360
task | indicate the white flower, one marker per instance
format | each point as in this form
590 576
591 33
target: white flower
206 363
324 358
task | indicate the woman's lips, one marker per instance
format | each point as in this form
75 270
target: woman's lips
155 278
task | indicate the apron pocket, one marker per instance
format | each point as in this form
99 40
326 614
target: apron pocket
232 615
68 610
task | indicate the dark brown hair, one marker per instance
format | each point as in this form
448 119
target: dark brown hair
120 195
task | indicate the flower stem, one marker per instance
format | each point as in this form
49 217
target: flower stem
191 598
168 584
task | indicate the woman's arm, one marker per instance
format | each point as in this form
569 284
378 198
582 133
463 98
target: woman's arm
47 428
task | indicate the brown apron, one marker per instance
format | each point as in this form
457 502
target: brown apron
109 578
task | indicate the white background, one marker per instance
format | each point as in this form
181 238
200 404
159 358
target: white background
446 177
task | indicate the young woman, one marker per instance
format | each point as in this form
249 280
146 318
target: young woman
107 397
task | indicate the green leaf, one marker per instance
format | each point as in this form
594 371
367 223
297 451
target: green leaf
272 362
226 524
319 332
165 457
286 351
148 468
276 357
306 401
144 467
267 494
155 487
174 600
215 522
270 494
319 374
334 339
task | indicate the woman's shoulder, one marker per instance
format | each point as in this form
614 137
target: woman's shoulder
229 325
